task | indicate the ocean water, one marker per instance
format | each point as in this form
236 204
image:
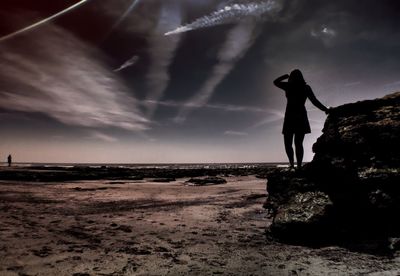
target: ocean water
156 166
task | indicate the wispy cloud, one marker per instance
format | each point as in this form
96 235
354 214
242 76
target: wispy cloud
162 51
62 77
238 41
43 21
103 137
271 115
235 133
274 116
323 31
130 62
325 34
392 84
224 107
350 84
228 14
124 15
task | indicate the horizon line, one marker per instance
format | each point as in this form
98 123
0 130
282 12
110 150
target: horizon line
148 163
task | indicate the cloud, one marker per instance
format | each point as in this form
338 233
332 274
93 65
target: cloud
354 83
139 18
224 107
43 21
124 15
103 137
130 62
238 41
392 84
323 31
229 14
235 133
275 116
162 52
64 78
325 34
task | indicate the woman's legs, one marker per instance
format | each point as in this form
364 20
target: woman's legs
298 142
288 139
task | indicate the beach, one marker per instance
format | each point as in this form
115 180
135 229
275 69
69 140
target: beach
147 227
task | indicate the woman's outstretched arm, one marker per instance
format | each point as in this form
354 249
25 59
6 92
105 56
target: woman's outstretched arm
315 101
280 83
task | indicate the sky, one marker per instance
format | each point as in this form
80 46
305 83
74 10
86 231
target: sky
103 83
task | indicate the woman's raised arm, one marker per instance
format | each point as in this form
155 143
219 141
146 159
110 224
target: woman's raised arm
280 83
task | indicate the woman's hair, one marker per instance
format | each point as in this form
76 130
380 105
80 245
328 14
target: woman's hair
296 77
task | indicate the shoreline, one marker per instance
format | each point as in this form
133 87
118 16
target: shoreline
75 173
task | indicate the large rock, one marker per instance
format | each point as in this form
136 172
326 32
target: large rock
352 186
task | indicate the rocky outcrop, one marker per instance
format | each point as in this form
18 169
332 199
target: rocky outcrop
351 189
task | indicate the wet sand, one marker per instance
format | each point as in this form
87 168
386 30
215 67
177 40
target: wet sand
121 227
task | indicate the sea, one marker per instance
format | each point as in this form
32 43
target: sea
154 165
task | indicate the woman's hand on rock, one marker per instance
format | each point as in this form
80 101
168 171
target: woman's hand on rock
328 110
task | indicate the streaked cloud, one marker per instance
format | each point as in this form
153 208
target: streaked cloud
238 41
274 116
235 133
354 83
162 51
102 137
123 16
233 13
64 78
224 107
42 22
130 62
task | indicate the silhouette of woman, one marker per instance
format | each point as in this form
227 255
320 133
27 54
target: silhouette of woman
296 123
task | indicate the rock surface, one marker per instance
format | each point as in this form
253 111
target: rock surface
206 181
351 189
80 172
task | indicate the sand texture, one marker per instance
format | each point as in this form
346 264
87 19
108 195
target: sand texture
140 227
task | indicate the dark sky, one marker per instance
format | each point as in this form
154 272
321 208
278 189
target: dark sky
205 95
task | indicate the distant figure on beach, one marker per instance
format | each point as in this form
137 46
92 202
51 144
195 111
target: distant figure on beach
9 160
296 123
